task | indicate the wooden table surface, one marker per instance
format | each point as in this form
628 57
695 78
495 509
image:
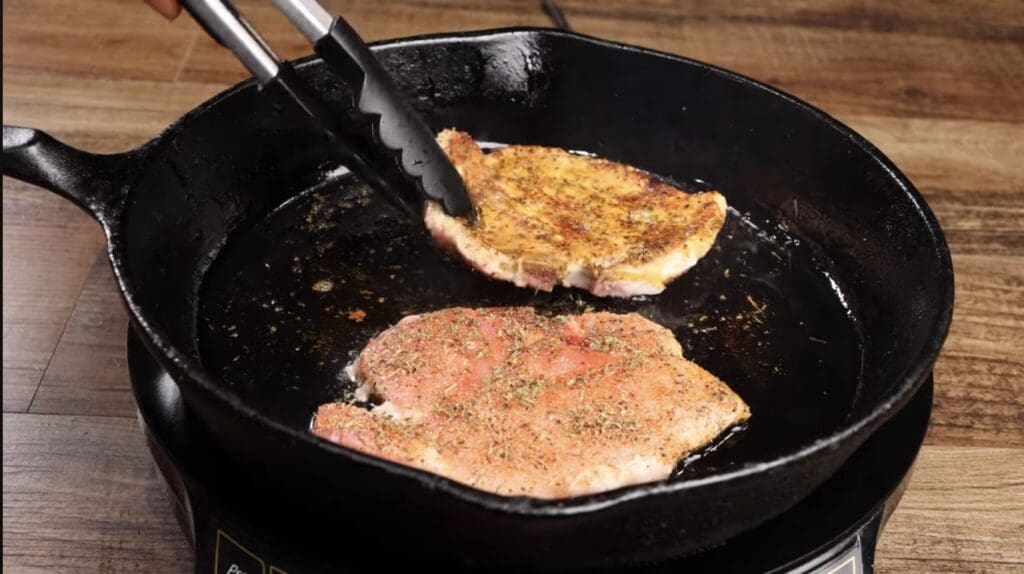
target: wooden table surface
939 86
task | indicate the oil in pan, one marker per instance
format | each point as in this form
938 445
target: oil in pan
291 300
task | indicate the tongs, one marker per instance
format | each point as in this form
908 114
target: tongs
378 135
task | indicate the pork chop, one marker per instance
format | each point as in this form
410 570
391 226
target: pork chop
549 217
517 403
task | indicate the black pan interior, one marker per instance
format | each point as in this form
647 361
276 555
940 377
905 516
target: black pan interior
292 299
224 202
834 336
231 187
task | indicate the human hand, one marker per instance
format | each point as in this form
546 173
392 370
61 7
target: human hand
167 8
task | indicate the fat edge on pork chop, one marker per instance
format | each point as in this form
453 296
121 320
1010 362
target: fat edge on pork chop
547 217
517 403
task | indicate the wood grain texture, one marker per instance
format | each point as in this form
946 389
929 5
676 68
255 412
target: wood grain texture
964 506
935 85
971 173
89 373
979 379
48 246
60 37
82 494
96 114
919 58
848 57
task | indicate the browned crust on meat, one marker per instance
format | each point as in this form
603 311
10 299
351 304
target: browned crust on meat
548 217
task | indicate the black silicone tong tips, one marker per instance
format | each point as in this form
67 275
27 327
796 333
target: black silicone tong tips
379 136
387 122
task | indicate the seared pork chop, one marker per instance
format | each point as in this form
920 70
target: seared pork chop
517 403
549 217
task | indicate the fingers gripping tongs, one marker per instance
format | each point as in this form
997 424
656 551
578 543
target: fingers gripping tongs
379 137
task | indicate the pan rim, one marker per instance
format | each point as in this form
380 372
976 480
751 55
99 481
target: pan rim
908 381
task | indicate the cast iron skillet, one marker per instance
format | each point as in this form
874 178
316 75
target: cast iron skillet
824 303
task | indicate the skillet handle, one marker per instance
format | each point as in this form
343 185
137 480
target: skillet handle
93 182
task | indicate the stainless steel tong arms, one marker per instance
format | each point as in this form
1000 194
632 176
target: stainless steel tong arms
380 137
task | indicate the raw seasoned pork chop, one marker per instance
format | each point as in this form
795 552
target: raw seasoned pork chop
517 403
549 217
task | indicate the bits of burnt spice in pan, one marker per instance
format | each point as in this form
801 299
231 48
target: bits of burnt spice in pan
761 346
